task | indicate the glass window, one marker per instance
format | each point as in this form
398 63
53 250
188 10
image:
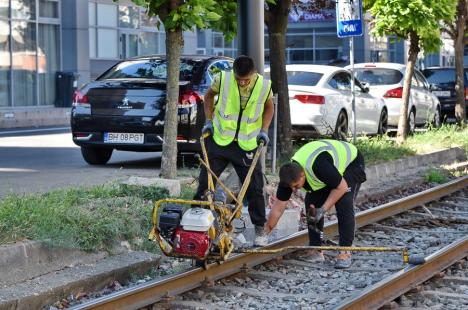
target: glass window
4 64
107 43
201 38
422 81
301 55
322 41
218 40
128 16
379 76
92 42
151 69
24 63
326 55
48 8
148 21
341 81
446 77
148 43
92 13
302 41
23 9
107 15
303 78
48 60
4 8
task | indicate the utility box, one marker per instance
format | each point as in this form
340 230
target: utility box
66 83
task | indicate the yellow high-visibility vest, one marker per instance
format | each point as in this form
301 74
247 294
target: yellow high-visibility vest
229 118
343 153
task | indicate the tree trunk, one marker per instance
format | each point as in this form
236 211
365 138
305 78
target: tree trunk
412 56
460 112
174 46
276 19
280 86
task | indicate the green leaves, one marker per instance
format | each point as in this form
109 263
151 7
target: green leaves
217 15
402 17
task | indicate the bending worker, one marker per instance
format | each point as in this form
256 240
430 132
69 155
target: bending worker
237 122
331 173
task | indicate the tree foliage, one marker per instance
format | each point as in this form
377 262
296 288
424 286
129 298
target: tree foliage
178 16
416 21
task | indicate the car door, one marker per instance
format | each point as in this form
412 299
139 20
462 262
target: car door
369 109
427 99
417 95
341 82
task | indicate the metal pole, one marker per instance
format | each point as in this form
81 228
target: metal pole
275 132
353 102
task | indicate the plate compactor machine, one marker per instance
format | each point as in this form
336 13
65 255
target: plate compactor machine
200 230
203 230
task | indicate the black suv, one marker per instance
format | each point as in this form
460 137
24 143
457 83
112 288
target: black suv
124 108
443 82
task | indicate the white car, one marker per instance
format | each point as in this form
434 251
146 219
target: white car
385 80
321 103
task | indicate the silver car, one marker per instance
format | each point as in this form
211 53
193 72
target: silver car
385 80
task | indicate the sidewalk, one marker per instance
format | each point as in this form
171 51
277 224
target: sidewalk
27 117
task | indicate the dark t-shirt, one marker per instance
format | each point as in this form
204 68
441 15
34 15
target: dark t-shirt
325 171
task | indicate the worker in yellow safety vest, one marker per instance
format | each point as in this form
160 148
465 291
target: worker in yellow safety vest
331 173
237 122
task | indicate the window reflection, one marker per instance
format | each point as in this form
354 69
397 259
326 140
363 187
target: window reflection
128 16
24 62
23 9
48 8
4 6
49 55
4 63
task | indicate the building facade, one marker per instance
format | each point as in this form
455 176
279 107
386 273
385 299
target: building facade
39 38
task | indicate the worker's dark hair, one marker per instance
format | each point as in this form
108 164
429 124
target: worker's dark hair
289 173
243 65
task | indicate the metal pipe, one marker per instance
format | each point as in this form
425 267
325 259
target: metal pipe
275 132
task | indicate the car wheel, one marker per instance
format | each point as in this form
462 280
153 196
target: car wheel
96 156
412 122
437 121
341 127
383 123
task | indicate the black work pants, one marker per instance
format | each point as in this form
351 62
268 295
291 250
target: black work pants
219 157
354 176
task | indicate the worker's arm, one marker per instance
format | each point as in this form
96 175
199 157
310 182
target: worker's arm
277 210
208 104
268 111
335 195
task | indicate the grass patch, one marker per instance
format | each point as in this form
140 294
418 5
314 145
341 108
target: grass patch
435 176
89 219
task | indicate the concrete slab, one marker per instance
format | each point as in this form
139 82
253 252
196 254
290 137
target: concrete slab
173 186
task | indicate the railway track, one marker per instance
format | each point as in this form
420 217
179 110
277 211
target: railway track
288 281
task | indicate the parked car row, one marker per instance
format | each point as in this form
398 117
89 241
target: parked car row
124 108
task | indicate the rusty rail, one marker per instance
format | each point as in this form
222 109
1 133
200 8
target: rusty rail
165 288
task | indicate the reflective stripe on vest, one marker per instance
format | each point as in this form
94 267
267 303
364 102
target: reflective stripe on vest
342 153
227 111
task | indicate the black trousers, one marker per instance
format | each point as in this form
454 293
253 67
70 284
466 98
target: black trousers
354 176
219 157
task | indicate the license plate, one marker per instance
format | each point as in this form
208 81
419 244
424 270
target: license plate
124 137
441 93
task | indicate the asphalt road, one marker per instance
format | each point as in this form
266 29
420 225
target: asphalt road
39 160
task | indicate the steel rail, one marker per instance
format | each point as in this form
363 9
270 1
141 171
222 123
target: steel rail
160 289
396 285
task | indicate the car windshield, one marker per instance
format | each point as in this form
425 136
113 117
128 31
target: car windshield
303 78
442 76
378 76
151 69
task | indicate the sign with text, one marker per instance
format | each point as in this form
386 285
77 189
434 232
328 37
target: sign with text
349 18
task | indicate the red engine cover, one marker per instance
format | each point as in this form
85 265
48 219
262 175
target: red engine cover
191 243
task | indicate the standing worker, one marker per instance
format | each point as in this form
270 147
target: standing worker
237 122
331 172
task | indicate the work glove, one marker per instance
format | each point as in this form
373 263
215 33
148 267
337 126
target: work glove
208 127
263 136
316 214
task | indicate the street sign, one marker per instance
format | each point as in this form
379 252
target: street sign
349 18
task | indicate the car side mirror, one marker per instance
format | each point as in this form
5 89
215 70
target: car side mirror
365 87
432 87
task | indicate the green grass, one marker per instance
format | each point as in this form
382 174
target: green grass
435 176
90 219
380 149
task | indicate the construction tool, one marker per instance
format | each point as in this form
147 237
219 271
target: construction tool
200 230
407 259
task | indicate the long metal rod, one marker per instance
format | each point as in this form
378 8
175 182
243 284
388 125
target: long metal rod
388 289
154 291
275 134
